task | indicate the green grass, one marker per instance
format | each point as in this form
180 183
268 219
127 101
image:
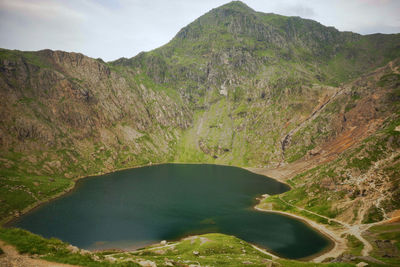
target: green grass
392 236
48 249
31 57
27 243
388 79
385 228
355 246
212 249
17 192
388 232
278 204
298 154
373 215
207 250
383 233
287 263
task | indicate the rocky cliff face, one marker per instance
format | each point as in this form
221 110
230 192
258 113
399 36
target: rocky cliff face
353 151
234 87
65 115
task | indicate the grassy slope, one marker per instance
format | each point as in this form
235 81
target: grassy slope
206 250
387 252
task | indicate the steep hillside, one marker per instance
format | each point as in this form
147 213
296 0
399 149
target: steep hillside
251 78
64 115
353 143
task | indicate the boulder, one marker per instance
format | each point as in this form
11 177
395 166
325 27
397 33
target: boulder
147 263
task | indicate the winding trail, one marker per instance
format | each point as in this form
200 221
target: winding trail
13 258
265 252
355 230
340 243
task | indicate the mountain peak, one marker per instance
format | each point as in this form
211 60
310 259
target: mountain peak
237 5
219 17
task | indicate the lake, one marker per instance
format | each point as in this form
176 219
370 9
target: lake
137 207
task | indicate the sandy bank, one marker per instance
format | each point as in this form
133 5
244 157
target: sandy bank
339 243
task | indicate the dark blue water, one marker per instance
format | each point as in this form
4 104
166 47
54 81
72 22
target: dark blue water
137 207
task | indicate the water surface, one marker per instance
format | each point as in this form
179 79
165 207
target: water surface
137 207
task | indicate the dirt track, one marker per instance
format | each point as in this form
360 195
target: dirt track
340 243
13 259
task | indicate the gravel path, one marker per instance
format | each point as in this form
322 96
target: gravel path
13 259
340 244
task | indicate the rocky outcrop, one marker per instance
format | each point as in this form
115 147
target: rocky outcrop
77 111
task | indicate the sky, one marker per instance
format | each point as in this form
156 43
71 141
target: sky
110 29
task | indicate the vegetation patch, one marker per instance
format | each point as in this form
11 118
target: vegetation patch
354 244
49 249
385 240
373 214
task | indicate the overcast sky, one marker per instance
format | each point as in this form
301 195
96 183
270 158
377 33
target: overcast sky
111 29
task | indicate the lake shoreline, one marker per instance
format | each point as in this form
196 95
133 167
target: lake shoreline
337 243
12 218
6 222
335 247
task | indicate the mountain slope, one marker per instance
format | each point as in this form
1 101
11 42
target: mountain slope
67 115
356 161
256 65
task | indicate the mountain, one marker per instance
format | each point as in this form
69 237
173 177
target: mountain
245 42
316 107
259 64
67 115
